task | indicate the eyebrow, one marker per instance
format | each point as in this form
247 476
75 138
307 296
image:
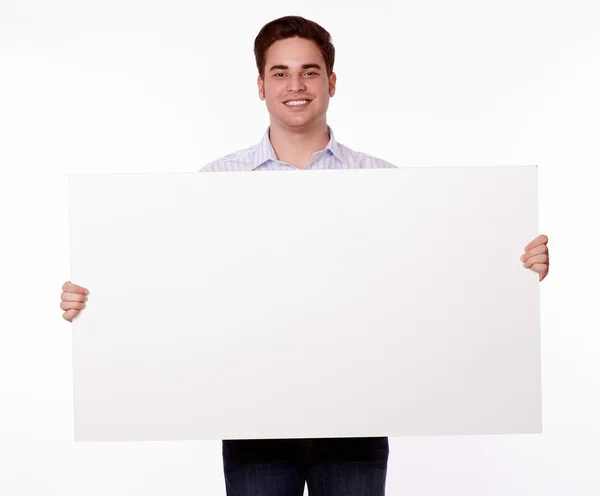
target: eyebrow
304 66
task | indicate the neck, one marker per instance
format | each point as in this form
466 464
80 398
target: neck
296 147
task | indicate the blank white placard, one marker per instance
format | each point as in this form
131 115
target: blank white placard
331 303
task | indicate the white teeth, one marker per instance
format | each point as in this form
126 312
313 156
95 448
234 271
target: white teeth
295 103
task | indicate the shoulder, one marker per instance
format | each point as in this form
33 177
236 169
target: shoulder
360 160
240 160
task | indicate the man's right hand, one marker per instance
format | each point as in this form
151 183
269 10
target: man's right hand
73 300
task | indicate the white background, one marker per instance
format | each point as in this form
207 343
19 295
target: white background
132 86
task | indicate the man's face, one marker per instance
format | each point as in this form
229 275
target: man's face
296 86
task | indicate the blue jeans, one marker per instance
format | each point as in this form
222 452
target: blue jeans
330 467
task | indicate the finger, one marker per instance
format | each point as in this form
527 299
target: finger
543 259
541 269
70 314
538 250
73 297
72 305
69 287
541 239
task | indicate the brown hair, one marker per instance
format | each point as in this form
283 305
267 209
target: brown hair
290 27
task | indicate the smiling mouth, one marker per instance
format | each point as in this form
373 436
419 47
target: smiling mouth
297 103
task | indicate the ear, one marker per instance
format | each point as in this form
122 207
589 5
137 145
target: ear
332 83
261 88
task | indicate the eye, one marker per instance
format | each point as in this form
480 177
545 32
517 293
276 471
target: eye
309 73
279 74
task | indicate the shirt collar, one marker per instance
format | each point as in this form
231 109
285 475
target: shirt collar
265 151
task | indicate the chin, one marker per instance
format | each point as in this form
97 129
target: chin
300 121
293 123
299 124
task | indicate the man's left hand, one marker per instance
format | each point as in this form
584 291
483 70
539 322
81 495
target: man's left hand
536 256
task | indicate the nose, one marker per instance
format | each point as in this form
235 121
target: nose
296 83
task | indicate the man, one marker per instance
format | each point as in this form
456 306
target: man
295 57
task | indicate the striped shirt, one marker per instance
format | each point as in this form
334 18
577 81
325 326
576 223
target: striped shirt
261 157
